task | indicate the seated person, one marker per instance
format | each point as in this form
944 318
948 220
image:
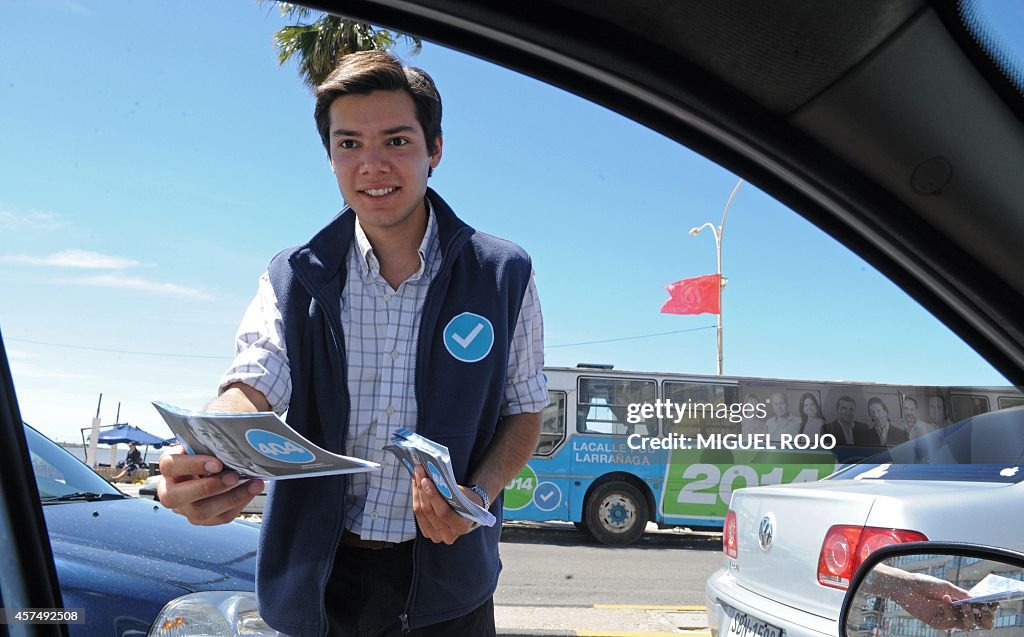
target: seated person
131 463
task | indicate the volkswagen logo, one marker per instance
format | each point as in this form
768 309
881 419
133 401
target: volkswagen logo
766 532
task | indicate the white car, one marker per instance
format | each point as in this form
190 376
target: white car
791 550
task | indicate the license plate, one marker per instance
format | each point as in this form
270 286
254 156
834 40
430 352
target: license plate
738 624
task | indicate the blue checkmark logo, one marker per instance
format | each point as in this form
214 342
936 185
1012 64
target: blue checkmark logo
469 337
547 496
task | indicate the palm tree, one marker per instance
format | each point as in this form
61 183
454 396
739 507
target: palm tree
322 43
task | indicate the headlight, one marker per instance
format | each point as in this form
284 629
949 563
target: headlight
212 614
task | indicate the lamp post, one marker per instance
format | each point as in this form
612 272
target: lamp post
718 232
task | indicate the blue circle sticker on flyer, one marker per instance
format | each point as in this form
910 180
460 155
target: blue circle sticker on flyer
469 337
439 482
277 447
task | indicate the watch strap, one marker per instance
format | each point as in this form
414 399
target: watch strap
483 495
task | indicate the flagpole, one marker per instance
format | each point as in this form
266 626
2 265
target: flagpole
718 233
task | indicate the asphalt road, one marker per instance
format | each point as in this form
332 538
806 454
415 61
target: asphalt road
556 565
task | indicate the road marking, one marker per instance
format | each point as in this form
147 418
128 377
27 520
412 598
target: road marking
651 607
465 341
618 633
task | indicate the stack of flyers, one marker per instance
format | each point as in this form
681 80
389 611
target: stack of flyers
413 449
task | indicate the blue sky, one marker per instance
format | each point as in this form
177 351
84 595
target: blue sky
156 157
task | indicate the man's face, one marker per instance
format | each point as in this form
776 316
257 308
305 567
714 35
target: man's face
910 412
845 410
936 410
379 157
878 413
780 405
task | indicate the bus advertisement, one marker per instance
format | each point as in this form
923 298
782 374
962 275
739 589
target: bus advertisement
620 449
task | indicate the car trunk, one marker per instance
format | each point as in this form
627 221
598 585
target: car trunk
787 571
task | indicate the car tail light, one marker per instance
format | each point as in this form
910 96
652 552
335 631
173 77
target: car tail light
846 547
729 535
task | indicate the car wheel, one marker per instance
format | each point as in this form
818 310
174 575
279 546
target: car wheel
616 513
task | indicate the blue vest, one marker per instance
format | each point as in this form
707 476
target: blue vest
458 405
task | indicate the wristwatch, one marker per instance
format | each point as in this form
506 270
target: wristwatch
483 495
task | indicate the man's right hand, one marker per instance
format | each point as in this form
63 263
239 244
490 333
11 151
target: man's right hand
198 488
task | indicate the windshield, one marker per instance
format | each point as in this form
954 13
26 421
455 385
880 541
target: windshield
986 448
58 473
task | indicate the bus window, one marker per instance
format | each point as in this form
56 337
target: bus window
552 424
701 405
967 406
603 406
1005 402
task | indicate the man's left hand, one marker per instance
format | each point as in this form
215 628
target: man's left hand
437 520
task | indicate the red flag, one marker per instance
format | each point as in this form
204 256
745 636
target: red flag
699 295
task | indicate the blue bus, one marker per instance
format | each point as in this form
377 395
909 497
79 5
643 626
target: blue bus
618 449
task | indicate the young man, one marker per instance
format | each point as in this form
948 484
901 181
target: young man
397 314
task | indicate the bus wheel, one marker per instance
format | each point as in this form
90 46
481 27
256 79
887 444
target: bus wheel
616 513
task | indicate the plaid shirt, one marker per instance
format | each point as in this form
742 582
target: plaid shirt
380 326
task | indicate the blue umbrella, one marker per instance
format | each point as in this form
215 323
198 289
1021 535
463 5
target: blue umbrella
127 433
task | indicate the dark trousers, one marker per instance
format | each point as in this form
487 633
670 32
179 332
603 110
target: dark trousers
367 591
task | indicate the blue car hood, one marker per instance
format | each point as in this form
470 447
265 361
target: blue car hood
104 544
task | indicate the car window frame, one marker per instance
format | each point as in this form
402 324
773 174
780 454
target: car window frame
28 577
672 96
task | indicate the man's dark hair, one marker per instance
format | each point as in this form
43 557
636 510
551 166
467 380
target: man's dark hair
367 71
846 399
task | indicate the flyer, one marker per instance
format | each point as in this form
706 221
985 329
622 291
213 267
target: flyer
256 445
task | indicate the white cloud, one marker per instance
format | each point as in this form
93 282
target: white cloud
22 371
64 6
75 7
121 281
11 221
74 259
14 354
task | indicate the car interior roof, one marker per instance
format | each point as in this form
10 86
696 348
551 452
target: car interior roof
867 118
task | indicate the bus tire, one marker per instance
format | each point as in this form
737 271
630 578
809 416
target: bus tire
616 514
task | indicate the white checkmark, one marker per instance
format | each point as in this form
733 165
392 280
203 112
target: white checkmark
547 497
465 341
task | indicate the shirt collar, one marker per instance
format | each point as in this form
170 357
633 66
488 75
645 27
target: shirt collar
368 260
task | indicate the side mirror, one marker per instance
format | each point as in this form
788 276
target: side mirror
927 588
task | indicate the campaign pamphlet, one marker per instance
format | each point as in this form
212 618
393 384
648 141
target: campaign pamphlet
256 445
413 449
994 588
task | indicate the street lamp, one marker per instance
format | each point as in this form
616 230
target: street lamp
718 232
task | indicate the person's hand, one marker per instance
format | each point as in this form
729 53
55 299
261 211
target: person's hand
437 520
930 600
198 488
